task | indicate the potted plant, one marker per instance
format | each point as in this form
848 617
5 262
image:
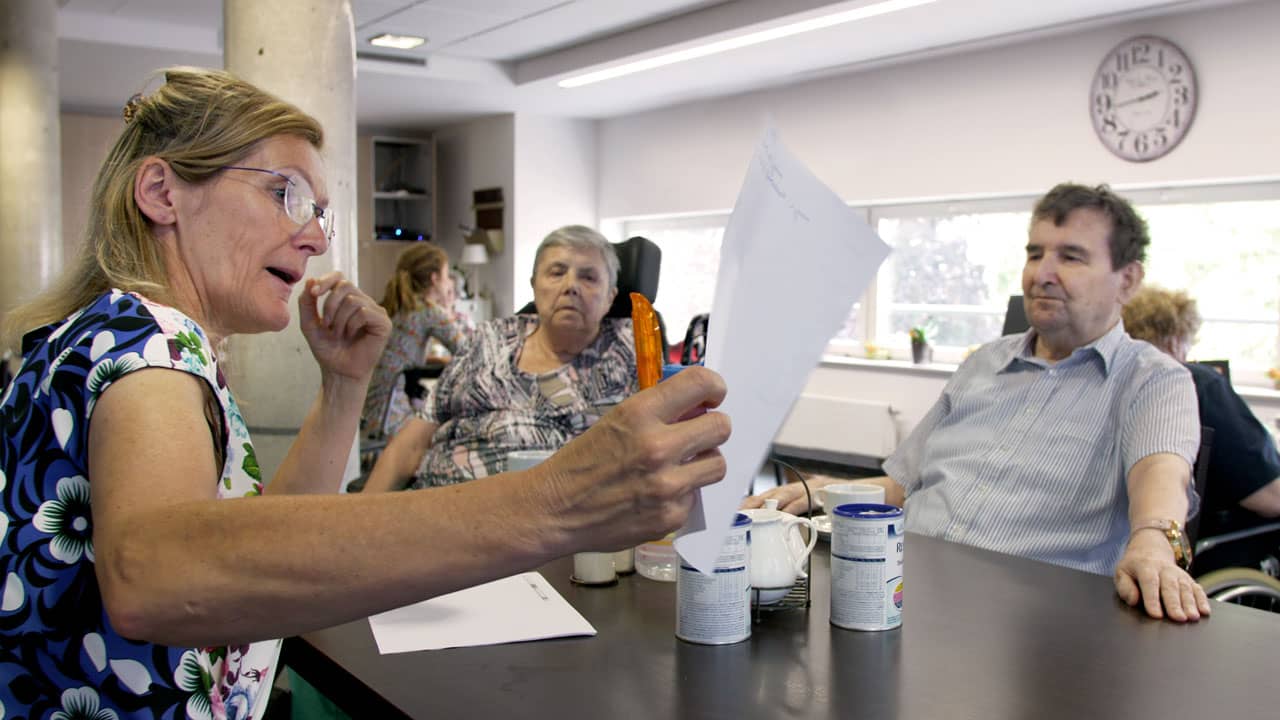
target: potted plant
921 352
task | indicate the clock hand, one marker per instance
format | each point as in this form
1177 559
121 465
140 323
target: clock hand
1140 98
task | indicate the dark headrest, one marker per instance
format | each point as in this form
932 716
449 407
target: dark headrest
639 261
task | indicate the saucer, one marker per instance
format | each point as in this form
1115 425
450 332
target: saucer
822 523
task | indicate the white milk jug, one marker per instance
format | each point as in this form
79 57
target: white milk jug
777 551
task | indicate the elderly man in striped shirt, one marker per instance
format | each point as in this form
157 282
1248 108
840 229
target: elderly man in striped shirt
1071 443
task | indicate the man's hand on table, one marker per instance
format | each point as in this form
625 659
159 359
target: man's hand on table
791 497
1148 572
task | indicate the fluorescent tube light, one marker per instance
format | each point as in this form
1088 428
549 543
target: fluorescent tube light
755 38
399 42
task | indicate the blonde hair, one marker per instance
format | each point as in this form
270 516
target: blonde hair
412 277
1160 316
198 122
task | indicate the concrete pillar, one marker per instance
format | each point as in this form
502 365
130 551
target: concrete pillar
30 165
304 52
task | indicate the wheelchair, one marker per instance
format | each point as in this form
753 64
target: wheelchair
1253 584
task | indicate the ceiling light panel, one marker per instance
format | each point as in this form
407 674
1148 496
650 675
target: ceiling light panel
397 42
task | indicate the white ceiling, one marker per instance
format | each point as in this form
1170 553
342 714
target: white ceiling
490 56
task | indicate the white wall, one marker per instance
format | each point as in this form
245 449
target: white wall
1005 120
471 156
555 185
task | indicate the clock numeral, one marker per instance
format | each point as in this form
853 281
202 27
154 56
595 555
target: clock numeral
1148 142
1139 53
1176 68
1176 119
1181 95
1102 103
1122 63
1109 124
1160 58
1109 81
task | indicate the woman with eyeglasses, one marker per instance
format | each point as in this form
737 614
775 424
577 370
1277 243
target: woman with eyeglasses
419 299
146 565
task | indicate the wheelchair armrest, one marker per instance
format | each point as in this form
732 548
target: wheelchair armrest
1209 543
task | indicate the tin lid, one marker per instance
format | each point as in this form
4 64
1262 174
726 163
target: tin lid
868 511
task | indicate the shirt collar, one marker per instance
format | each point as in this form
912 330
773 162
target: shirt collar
1104 348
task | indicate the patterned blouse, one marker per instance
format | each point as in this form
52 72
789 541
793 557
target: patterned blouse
487 407
407 346
59 656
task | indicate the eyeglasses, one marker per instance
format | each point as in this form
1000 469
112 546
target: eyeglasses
299 201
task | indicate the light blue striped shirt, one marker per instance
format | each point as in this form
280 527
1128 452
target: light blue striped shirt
1029 458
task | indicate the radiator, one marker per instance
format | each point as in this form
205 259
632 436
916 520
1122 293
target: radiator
829 426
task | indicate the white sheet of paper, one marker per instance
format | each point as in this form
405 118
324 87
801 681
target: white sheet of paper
793 261
514 609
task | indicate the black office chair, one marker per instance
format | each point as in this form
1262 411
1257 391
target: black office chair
1015 317
639 262
414 378
1200 476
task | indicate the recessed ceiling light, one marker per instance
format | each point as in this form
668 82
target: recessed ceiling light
399 42
817 23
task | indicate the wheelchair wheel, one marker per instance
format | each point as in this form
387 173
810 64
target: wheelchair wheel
1242 586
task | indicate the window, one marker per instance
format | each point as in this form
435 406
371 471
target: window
955 263
952 270
690 259
1222 245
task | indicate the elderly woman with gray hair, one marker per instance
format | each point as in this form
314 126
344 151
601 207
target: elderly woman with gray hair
526 382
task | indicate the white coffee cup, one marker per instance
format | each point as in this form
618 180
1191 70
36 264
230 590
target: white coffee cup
593 568
525 459
850 493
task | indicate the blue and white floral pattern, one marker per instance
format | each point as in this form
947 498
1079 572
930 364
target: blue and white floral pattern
60 659
67 520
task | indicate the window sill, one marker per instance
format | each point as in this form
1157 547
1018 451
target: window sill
894 366
1251 393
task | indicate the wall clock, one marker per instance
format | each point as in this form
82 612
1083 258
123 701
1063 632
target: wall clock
1143 98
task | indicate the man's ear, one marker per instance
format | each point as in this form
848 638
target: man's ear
1130 280
153 191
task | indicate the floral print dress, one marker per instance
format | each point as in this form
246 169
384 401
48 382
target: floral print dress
60 658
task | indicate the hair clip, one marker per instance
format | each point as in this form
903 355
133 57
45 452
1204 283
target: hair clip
132 107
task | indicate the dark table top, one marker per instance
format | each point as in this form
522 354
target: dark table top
984 635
